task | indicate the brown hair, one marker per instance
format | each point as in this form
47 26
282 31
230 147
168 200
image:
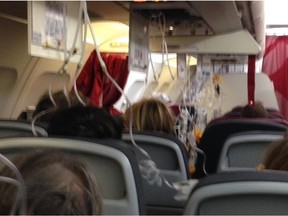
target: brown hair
256 110
56 183
150 114
276 156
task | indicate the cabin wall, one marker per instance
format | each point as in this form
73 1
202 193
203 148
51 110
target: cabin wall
14 64
24 78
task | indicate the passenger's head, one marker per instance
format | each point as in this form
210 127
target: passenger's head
56 184
150 114
80 121
256 110
276 155
61 102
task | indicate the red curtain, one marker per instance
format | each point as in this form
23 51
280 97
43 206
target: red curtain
94 84
275 64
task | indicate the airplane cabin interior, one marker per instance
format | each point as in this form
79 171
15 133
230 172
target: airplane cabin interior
206 59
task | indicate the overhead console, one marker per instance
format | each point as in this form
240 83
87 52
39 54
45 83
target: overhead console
197 27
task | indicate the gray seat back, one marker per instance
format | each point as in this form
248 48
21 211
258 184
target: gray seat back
13 128
240 193
169 155
246 150
111 161
218 130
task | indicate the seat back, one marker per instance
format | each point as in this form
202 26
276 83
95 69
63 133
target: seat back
246 150
272 113
13 128
240 193
219 130
112 161
170 156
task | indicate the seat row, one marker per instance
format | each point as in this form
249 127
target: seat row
240 193
218 131
126 192
115 163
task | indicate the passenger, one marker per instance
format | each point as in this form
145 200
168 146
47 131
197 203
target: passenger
56 184
256 110
60 99
86 121
276 155
150 114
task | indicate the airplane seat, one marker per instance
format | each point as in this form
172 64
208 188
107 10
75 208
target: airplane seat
272 113
112 161
245 150
273 117
216 133
17 128
170 156
240 193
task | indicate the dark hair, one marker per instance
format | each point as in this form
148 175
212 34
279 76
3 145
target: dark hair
86 121
56 184
60 99
256 110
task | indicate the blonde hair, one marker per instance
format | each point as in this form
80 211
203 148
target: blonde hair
150 114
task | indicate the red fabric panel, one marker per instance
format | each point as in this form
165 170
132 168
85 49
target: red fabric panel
175 109
251 79
90 80
275 64
94 84
117 65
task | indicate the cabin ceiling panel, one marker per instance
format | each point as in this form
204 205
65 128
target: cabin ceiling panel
14 8
218 16
108 10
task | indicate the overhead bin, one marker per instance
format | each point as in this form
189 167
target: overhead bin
201 27
240 42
